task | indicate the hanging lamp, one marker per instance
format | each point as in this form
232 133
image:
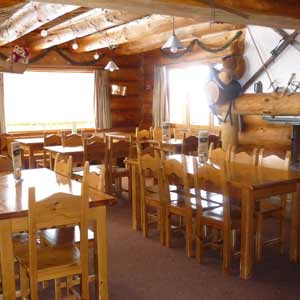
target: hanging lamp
173 44
111 66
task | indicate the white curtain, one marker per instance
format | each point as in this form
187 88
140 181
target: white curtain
160 108
102 100
2 111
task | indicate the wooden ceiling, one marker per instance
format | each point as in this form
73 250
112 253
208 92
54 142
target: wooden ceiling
133 26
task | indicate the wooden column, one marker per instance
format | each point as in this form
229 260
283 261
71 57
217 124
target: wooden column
229 132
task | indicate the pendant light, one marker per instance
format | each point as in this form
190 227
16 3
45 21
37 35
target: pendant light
111 66
96 55
75 45
173 44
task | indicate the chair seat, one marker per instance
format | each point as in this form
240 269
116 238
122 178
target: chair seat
178 200
216 215
62 261
269 206
63 236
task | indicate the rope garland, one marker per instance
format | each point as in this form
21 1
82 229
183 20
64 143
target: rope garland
201 45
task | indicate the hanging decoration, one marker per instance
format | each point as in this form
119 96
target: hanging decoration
197 42
63 53
19 54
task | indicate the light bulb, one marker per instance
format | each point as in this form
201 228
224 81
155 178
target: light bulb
111 70
173 50
96 56
75 46
44 33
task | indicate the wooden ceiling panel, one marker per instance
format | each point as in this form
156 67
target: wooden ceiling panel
286 12
131 31
188 33
30 17
86 24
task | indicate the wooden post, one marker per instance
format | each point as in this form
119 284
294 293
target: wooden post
229 132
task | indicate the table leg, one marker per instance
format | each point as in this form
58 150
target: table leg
295 226
247 234
134 198
7 260
101 255
30 158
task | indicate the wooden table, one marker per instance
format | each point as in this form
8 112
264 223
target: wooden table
78 172
31 145
13 219
255 184
75 152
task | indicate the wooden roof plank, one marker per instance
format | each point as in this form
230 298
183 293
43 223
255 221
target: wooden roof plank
30 17
286 13
131 31
83 25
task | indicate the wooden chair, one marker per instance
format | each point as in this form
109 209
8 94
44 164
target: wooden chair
223 219
116 169
157 134
92 179
274 207
41 263
244 157
49 140
63 165
94 150
151 192
72 140
190 146
218 155
179 202
5 164
142 134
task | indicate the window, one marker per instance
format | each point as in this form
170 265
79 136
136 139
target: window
48 100
188 104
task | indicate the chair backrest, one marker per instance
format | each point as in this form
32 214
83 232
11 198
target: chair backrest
148 147
119 149
72 140
142 134
63 165
54 211
244 157
211 179
149 166
218 155
157 133
94 152
190 145
52 140
93 138
92 179
274 161
5 164
174 172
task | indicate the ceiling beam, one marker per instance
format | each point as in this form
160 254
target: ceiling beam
30 17
185 34
131 31
83 25
256 12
